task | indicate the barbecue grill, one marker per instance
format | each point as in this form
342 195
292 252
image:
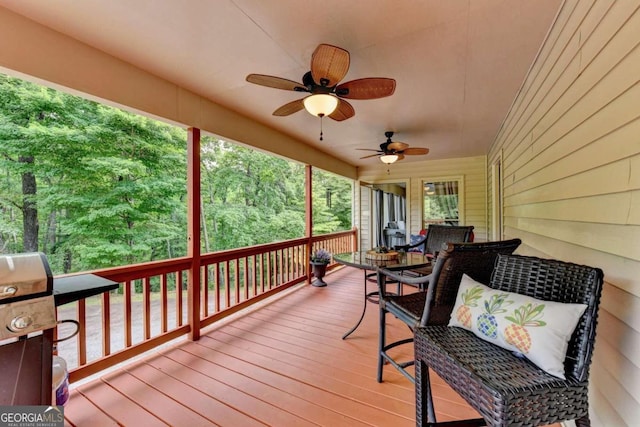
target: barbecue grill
27 322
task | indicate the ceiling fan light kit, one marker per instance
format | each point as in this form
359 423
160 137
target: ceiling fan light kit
388 158
321 104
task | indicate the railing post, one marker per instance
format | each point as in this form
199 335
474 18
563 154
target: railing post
308 216
354 245
193 231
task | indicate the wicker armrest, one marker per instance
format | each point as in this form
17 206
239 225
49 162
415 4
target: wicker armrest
401 277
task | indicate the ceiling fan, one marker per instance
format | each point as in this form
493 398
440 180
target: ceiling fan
391 151
329 65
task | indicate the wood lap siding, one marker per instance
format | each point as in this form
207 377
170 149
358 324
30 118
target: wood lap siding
571 178
363 218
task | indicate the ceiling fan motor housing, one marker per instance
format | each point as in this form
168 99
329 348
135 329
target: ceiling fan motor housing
313 87
385 145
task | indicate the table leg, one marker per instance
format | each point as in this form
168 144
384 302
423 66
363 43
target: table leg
364 308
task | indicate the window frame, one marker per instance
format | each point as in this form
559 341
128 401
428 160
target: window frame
461 195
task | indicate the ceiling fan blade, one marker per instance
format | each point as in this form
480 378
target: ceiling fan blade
371 155
368 149
415 151
329 64
397 146
400 157
344 111
276 82
369 88
289 108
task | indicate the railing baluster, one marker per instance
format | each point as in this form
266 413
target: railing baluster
82 332
286 254
283 267
204 305
262 271
146 312
246 278
275 270
255 275
268 271
164 316
217 287
106 324
297 261
227 285
179 298
237 277
127 314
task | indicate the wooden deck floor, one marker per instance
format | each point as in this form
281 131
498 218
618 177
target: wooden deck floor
283 364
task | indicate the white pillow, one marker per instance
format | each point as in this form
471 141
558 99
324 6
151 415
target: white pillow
539 330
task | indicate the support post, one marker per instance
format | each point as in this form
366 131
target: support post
308 216
193 230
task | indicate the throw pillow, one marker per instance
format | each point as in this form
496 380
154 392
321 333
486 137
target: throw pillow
414 239
539 330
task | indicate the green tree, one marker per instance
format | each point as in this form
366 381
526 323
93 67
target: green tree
98 184
332 199
93 186
249 197
118 201
35 125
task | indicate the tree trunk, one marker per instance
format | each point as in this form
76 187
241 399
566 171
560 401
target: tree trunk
203 220
50 241
29 209
67 261
169 253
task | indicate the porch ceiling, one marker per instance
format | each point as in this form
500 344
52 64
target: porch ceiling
458 63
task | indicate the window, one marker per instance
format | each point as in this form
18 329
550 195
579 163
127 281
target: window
442 201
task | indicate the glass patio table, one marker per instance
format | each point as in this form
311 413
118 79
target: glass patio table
404 261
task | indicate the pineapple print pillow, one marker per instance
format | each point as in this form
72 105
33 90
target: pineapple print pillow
539 330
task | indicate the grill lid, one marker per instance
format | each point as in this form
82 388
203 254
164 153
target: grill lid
24 276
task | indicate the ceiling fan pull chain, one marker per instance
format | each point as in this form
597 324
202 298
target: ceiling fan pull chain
321 116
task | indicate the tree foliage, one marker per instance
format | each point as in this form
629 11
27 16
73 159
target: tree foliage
93 186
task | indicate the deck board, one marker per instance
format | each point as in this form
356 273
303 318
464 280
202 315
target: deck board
79 409
283 364
267 392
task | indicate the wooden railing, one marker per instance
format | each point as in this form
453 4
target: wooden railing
150 306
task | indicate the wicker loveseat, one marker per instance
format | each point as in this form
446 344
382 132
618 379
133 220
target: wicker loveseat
505 389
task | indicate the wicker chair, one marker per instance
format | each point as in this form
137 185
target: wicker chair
504 389
435 241
434 306
438 236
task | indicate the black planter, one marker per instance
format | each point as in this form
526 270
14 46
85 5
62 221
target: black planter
319 270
